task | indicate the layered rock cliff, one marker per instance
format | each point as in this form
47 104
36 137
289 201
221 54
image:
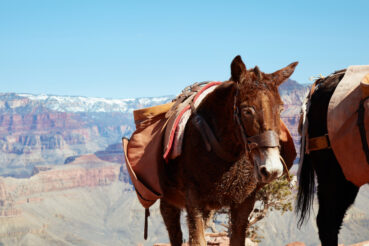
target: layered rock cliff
293 95
45 130
84 171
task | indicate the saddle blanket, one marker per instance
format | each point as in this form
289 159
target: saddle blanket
177 122
343 130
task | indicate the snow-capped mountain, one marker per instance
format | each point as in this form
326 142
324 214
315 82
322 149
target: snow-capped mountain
94 104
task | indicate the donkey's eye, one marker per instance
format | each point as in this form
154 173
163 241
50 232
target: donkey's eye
248 111
281 108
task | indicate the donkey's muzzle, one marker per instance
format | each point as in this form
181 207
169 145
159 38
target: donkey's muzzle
268 175
269 165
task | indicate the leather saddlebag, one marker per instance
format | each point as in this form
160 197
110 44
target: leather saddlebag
143 152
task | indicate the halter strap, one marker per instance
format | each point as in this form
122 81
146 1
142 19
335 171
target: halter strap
211 142
267 139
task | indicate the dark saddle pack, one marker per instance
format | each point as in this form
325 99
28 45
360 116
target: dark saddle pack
348 125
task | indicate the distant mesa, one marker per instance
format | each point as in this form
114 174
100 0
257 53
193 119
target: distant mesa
113 153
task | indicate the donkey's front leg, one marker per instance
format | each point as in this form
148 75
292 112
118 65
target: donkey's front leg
240 219
172 219
196 226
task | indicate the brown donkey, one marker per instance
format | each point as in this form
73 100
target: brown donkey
240 121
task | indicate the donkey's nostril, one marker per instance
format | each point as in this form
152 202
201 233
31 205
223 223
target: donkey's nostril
264 172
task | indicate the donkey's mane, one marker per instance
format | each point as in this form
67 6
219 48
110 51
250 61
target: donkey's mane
328 84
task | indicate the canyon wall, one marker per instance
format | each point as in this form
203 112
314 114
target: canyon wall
83 171
46 130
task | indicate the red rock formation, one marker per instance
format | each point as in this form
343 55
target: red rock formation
51 137
41 122
84 171
32 134
113 153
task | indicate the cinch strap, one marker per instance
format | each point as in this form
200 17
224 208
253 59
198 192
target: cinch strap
319 143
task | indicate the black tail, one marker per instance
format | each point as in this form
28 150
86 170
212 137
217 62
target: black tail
317 117
305 195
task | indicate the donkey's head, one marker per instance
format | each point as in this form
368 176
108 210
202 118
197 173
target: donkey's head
259 108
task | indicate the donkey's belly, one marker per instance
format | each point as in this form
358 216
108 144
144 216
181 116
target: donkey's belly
175 197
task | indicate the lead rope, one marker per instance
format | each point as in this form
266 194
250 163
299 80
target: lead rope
147 214
285 168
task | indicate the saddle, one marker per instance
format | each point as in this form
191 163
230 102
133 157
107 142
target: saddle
158 138
348 124
179 114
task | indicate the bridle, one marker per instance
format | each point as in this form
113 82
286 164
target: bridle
267 139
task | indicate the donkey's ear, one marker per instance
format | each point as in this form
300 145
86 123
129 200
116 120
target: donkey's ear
283 74
258 73
238 69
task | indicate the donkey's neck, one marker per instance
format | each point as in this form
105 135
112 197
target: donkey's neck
218 111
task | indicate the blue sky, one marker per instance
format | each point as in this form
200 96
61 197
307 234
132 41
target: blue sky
122 49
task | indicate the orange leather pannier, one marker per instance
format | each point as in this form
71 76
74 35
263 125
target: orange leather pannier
143 152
